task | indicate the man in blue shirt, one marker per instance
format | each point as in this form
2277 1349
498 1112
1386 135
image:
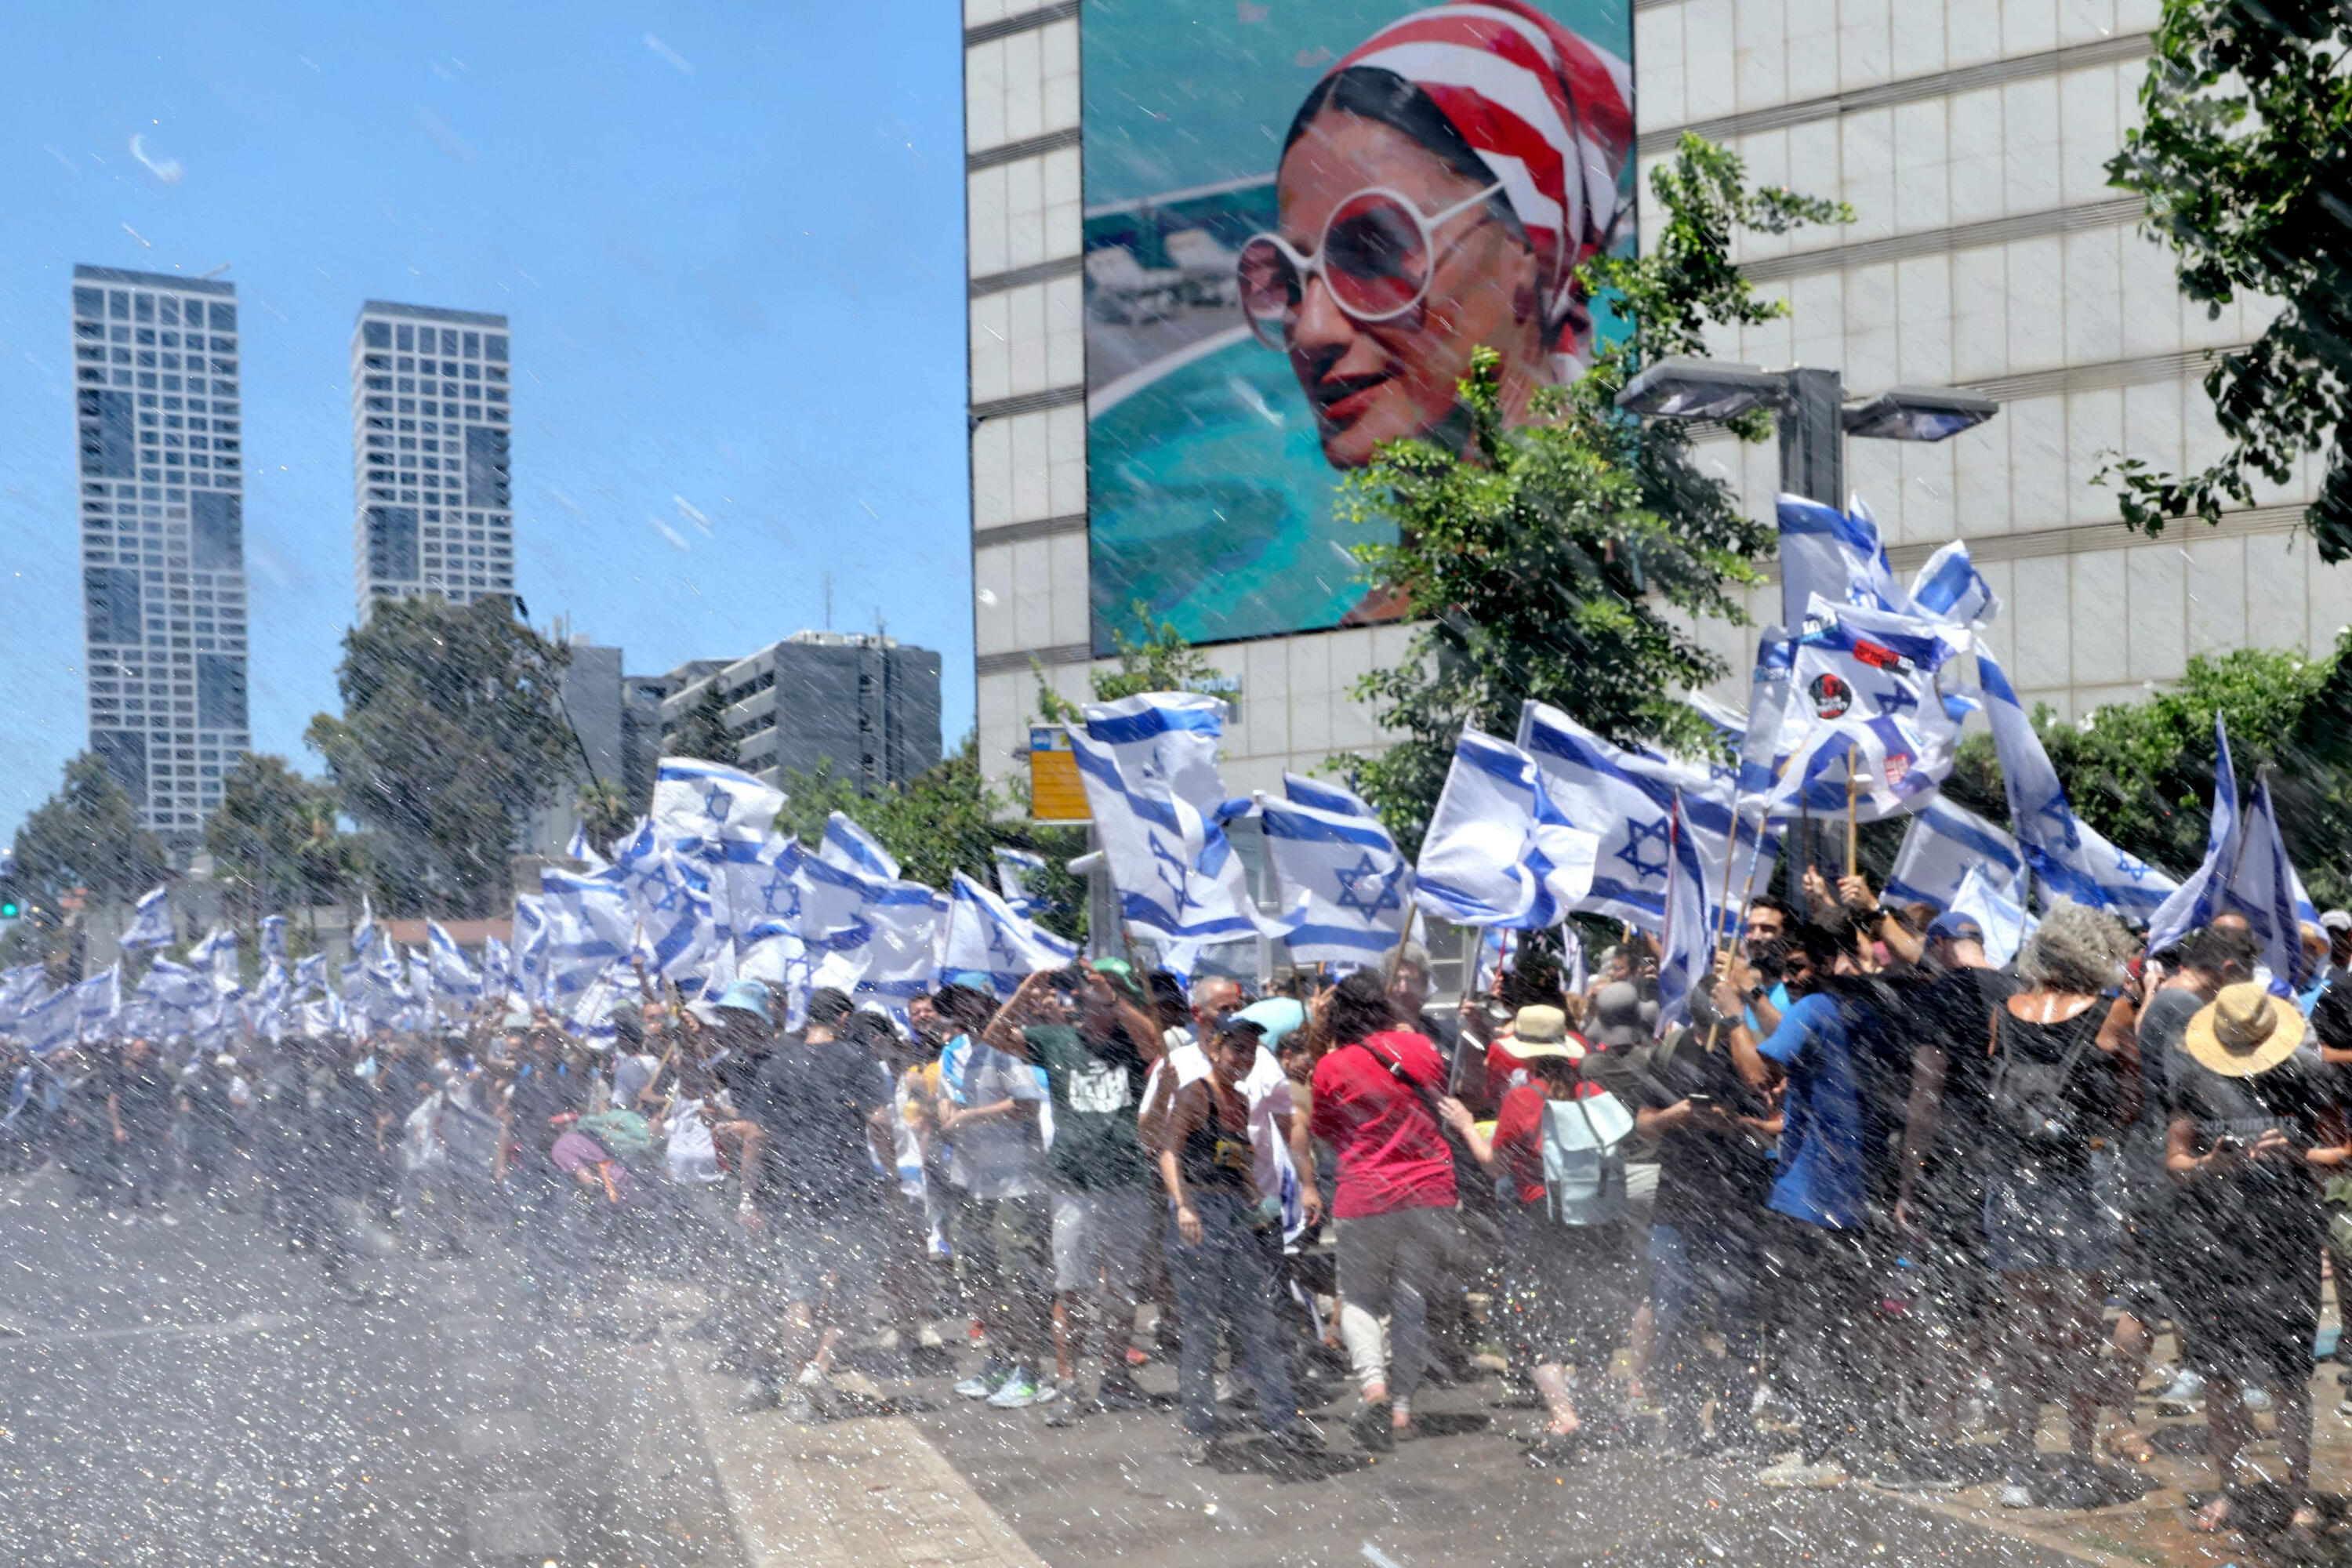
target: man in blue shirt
1816 1244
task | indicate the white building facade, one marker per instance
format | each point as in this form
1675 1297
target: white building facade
432 432
1988 252
159 430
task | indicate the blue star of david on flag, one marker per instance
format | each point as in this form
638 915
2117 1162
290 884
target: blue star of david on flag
1897 699
1001 945
1369 888
1636 832
1171 867
670 887
2062 818
717 804
782 897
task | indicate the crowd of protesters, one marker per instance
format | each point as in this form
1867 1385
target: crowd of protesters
1868 1213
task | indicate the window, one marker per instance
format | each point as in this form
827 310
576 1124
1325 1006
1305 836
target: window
143 308
376 335
486 466
216 530
473 345
494 347
107 448
224 318
392 542
111 601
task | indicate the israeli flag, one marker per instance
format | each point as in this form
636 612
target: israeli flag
2263 888
1628 799
712 811
174 986
1149 764
1861 690
1322 794
20 1092
1690 935
852 848
2205 894
497 968
1834 557
1942 845
273 937
218 955
900 959
1998 914
589 925
783 961
1015 867
1497 852
453 978
832 905
52 1023
365 934
1346 890
582 850
763 896
1950 588
151 923
2068 858
984 935
530 959
97 1001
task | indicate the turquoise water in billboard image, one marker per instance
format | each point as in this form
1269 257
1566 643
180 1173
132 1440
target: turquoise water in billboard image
1210 502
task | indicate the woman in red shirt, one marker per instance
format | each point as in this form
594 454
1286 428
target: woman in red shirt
1376 1092
1567 1285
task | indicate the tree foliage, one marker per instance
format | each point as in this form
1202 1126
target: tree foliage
703 731
451 731
2142 773
87 835
2244 162
1159 660
1568 560
945 820
275 835
605 813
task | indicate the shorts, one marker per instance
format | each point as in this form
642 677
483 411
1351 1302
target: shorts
1101 1234
837 1259
1005 1243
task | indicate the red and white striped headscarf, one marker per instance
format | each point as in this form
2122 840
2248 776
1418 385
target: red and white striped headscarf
1551 115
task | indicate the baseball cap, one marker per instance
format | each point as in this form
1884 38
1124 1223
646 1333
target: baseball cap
1954 926
1276 1016
747 996
2337 919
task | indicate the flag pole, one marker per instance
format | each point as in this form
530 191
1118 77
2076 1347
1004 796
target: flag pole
1853 832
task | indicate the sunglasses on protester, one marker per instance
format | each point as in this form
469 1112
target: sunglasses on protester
1376 256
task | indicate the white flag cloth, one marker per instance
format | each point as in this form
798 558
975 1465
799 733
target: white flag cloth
52 1022
1998 914
1497 852
1149 764
1015 867
1948 587
1689 938
901 956
852 848
1841 557
150 922
2068 859
763 896
832 905
1628 799
2263 888
1942 845
529 963
1346 890
1862 688
589 925
217 955
2197 900
454 979
1325 795
713 811
365 934
497 968
273 937
97 1000
985 936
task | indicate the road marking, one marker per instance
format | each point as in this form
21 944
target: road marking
865 1493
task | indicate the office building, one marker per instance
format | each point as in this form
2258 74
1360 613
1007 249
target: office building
642 732
590 691
159 430
1987 253
431 434
868 703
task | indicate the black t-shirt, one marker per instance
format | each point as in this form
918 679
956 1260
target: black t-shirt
143 1091
1098 1087
1704 1178
539 1095
2257 1195
1953 1013
812 1101
2331 1015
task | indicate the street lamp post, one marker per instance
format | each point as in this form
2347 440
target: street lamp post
1809 410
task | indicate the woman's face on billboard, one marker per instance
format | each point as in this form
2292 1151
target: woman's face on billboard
1370 382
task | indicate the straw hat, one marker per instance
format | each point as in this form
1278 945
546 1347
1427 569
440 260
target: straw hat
1542 1032
2243 1031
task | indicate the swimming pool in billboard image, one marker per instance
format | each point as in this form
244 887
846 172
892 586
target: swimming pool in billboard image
1301 219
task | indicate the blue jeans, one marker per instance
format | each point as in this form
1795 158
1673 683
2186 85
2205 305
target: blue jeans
1226 1281
1701 1274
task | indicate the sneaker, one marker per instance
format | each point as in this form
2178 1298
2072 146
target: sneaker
1048 1392
2015 1493
1067 1412
2256 1398
802 1406
1017 1391
757 1395
2182 1395
1195 1451
1121 1394
1371 1428
986 1381
1796 1470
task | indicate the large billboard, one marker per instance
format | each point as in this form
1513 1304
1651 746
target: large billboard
1301 217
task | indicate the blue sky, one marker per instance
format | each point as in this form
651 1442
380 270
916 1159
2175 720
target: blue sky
729 239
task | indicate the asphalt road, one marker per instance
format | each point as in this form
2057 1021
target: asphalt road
193 1394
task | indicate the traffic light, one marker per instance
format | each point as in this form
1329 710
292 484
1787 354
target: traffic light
12 902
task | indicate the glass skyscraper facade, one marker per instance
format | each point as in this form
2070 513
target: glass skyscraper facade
160 428
430 435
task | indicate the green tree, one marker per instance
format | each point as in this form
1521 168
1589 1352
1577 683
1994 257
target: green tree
946 819
451 731
262 835
87 834
1159 660
2142 773
703 731
1568 560
605 813
2243 161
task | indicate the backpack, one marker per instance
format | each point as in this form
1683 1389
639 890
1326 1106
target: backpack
1584 1159
626 1135
2032 1099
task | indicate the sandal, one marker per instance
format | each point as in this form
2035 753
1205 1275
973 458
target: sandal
2214 1517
